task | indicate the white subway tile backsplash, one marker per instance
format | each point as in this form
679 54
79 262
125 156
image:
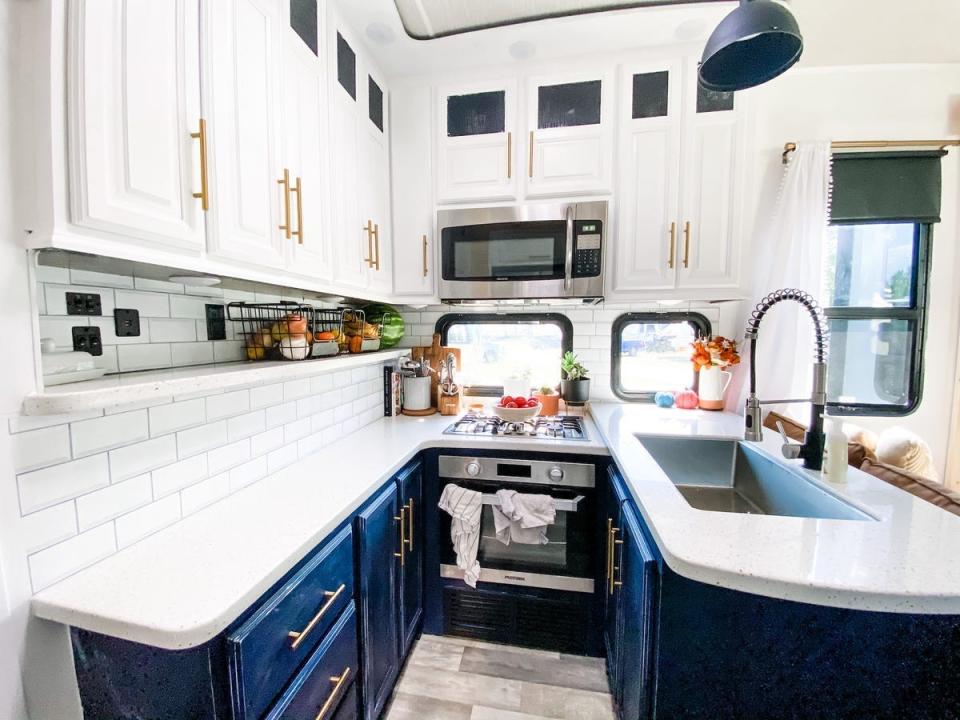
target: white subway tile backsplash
108 334
246 425
228 456
310 444
148 304
200 439
321 420
193 308
102 505
342 412
228 404
172 330
248 473
48 527
91 277
40 448
264 442
265 395
281 414
135 459
170 478
110 431
143 357
176 416
228 351
280 458
25 423
56 297
204 493
329 399
321 384
162 286
296 430
191 353
60 329
65 558
52 274
295 389
42 488
147 520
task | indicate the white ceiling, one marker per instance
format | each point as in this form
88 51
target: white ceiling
424 19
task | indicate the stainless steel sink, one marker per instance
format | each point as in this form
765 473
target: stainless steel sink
730 476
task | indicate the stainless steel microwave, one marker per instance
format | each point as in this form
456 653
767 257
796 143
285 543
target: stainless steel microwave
532 251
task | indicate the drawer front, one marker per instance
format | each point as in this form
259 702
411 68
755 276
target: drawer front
268 648
325 687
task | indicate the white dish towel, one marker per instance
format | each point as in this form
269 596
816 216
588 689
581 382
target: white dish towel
465 508
523 518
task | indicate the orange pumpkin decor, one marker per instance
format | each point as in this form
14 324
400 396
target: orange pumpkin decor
718 351
686 400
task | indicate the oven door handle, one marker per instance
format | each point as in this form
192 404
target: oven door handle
558 504
568 258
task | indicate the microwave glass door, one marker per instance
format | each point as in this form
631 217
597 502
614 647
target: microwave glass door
505 251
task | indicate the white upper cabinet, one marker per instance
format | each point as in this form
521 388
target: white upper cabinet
375 179
305 113
242 98
477 150
569 123
133 100
414 249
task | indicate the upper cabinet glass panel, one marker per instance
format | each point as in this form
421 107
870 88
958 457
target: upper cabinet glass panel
346 66
303 20
568 105
476 114
651 95
712 101
375 101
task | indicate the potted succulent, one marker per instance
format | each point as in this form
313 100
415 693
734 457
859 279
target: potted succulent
549 400
575 385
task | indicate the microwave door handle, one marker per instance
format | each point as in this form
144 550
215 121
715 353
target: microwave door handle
568 259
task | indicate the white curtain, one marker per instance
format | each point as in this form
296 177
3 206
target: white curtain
788 254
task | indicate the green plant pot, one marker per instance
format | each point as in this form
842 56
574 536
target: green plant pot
575 392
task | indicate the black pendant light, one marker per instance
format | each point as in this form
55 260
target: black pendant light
756 42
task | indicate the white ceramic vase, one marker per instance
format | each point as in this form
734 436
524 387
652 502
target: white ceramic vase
713 384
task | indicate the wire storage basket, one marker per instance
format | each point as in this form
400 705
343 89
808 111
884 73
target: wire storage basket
274 331
359 335
326 326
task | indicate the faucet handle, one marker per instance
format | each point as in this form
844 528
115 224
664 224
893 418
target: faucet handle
790 449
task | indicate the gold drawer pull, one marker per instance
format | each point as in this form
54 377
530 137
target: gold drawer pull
673 244
424 255
298 637
338 683
611 557
403 534
509 155
618 583
686 244
530 168
298 189
201 134
368 229
409 507
285 183
376 240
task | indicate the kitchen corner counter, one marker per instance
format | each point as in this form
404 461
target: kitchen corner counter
185 584
905 561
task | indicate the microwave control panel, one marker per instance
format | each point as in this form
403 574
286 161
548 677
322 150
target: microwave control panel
587 244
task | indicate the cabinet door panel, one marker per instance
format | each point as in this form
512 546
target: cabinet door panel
375 180
708 257
242 94
134 90
410 486
378 538
611 519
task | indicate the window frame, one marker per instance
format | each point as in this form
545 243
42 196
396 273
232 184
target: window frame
702 327
560 320
917 313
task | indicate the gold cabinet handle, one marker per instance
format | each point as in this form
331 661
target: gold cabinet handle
509 155
298 189
686 244
607 569
618 583
673 244
403 534
338 682
285 183
299 637
612 560
530 161
369 230
409 507
376 246
203 196
424 255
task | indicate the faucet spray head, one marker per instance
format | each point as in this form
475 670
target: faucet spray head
752 420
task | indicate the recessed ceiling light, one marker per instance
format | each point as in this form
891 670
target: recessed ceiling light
522 50
195 280
380 34
692 29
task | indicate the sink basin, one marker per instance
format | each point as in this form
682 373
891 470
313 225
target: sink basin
730 476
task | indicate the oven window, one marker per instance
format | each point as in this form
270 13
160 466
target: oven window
504 251
517 351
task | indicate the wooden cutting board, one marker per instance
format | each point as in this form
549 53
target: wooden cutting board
435 354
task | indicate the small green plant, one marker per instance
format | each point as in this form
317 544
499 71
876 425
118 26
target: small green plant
546 390
572 368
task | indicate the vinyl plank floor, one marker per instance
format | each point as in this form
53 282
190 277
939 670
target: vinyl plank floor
450 678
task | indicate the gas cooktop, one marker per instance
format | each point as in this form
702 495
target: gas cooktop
561 427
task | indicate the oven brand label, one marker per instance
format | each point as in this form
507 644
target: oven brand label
521 578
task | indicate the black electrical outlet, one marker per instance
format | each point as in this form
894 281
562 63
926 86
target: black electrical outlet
83 304
216 322
87 339
126 322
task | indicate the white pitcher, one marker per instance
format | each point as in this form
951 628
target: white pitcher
713 384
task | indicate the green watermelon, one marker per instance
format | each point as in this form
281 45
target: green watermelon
389 319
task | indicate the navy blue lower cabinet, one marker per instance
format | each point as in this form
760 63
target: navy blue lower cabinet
379 549
614 498
410 487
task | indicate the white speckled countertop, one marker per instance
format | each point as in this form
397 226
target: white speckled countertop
907 560
185 584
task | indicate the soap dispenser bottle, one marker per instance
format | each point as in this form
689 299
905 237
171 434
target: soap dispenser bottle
835 452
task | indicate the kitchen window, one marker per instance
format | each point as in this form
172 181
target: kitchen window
876 264
650 352
521 350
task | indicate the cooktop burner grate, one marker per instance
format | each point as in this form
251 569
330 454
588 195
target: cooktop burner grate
561 427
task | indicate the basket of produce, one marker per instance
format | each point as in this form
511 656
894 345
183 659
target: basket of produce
358 334
273 331
327 328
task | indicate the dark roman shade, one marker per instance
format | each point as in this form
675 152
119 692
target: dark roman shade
884 187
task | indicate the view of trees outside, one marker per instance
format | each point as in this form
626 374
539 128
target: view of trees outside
656 356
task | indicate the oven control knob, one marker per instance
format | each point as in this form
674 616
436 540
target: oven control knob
555 474
473 468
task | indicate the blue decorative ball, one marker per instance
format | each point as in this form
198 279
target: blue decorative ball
664 399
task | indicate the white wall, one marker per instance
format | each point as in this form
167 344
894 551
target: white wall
871 103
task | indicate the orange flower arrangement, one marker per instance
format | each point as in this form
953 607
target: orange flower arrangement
717 351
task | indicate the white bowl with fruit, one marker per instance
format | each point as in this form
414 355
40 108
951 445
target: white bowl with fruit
516 409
